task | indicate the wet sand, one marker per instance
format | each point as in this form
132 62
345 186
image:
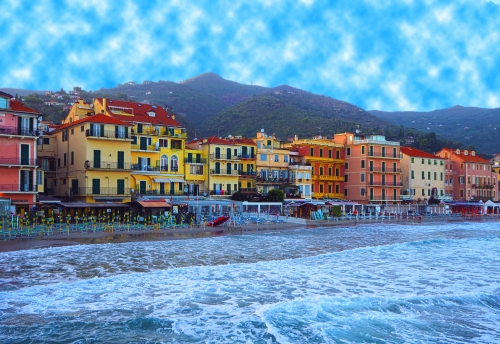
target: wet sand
123 236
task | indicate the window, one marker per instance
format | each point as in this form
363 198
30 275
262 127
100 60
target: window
345 192
321 171
174 167
58 162
72 131
263 157
337 172
120 186
4 102
412 160
72 158
362 164
65 135
321 153
394 151
276 158
330 153
362 175
412 174
383 151
461 180
39 177
346 165
164 163
435 175
428 161
362 149
337 154
82 128
163 143
329 171
423 192
423 175
46 140
362 192
428 175
285 158
311 151
64 159
423 161
196 169
348 151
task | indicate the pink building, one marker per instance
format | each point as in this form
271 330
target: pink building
468 176
18 165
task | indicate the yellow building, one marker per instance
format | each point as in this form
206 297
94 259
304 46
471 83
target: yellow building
93 160
158 144
273 165
223 163
247 173
196 171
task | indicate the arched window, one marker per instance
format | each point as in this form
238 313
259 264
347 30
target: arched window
164 163
174 166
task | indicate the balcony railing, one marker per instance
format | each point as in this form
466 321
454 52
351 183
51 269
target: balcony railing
195 161
151 148
248 190
331 178
22 131
379 198
483 186
243 173
107 134
148 168
18 188
246 156
384 170
161 193
224 172
304 167
385 184
83 191
264 180
170 133
18 161
224 157
108 165
386 155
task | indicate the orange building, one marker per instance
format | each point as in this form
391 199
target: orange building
372 168
327 161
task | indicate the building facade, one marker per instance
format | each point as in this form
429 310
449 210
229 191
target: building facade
421 172
372 168
471 176
21 179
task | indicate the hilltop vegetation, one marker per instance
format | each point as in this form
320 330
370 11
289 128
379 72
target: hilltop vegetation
474 127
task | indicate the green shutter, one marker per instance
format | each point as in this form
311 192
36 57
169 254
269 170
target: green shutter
120 186
102 130
126 132
190 157
121 159
97 159
162 188
25 154
91 130
116 131
96 186
19 124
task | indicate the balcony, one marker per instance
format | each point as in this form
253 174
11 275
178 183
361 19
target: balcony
392 184
385 156
382 199
246 156
329 178
172 133
248 190
224 173
107 165
18 188
249 174
107 134
160 192
384 170
483 186
222 192
21 131
19 161
302 167
276 181
147 148
320 195
224 157
84 191
195 161
149 168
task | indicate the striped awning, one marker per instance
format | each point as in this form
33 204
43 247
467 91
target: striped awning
169 180
154 204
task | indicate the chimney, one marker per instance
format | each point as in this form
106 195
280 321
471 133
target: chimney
104 105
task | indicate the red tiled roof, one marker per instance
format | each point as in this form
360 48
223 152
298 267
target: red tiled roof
242 141
16 105
410 151
6 95
466 158
140 112
211 140
99 118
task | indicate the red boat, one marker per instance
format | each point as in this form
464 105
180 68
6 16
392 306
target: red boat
218 221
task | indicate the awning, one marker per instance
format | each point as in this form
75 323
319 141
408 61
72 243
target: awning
93 205
169 180
152 204
296 204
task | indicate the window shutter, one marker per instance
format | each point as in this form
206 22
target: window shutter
91 130
102 130
116 131
30 180
19 124
126 132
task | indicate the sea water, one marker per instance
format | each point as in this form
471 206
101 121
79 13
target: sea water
377 283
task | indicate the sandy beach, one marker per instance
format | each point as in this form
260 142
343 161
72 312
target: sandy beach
122 236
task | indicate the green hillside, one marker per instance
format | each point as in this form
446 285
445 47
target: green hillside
230 92
287 112
471 126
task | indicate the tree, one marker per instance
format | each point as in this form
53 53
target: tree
275 195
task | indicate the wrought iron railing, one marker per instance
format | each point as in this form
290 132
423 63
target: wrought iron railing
18 161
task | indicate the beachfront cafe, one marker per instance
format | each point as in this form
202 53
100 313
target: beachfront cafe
213 208
474 208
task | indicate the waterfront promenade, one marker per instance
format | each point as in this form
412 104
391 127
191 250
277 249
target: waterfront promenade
123 234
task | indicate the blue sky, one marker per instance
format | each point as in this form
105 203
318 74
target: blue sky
377 54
